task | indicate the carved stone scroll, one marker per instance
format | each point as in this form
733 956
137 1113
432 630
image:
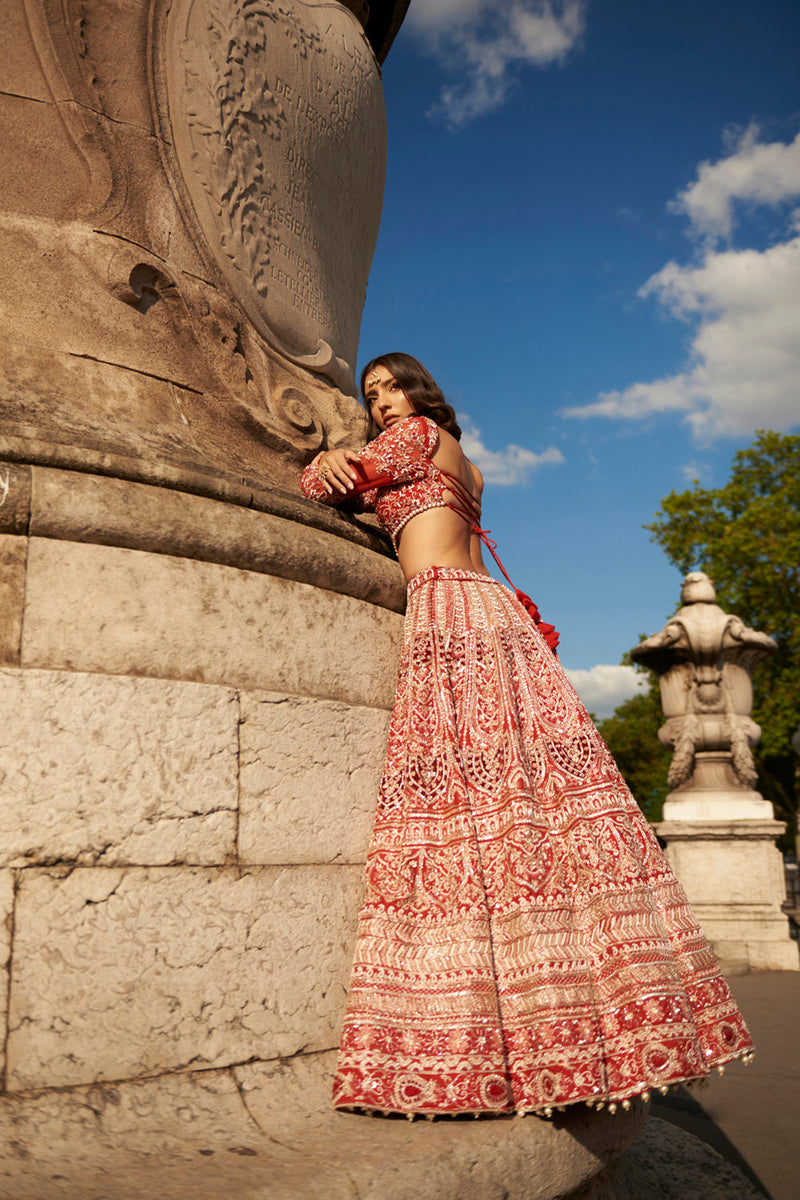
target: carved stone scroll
278 126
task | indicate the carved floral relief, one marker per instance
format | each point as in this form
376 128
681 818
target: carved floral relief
279 132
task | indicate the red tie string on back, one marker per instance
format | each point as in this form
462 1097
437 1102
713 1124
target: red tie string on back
467 507
469 510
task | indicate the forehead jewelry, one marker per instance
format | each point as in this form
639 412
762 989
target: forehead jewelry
373 378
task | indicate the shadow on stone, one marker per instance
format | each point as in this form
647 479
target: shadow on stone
679 1107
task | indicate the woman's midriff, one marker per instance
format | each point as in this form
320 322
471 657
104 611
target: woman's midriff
438 537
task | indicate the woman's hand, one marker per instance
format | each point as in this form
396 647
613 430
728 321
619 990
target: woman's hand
333 468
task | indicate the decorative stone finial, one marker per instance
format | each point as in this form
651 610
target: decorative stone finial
704 658
719 833
696 588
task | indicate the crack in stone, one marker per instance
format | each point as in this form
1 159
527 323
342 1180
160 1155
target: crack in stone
25 583
106 362
104 899
105 116
277 1142
218 1068
20 96
11 921
238 808
252 1117
118 237
62 867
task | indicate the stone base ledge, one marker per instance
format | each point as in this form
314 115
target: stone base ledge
82 606
706 805
273 534
267 1130
719 831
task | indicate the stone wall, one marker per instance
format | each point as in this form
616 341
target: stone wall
184 802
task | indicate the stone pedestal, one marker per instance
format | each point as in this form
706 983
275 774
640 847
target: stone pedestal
733 875
198 664
720 832
190 750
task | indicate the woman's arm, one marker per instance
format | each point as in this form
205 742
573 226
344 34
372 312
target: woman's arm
400 454
330 477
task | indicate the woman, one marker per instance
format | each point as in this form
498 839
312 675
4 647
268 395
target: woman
523 944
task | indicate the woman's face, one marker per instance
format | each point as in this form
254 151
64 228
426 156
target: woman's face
387 401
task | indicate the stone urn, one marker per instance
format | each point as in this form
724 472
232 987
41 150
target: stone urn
719 831
704 658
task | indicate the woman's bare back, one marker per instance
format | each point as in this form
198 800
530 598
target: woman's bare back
439 536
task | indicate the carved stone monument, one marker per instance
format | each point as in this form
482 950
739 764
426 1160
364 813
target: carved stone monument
720 832
197 663
192 196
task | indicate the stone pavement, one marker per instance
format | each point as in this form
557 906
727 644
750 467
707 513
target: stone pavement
750 1116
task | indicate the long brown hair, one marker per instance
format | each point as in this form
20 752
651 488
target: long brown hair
421 389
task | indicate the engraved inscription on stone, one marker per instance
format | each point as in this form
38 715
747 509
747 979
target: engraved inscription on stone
277 116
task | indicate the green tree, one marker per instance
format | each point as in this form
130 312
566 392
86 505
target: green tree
746 537
631 734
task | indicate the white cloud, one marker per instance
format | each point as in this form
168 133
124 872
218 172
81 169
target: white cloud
743 371
697 472
434 16
758 172
514 465
482 41
603 686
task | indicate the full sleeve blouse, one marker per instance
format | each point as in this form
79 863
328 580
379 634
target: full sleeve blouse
401 454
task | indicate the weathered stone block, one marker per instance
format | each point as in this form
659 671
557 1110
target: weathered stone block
33 132
126 612
721 864
124 973
310 771
13 556
115 770
178 1137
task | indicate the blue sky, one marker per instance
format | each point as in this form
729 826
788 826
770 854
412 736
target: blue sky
591 236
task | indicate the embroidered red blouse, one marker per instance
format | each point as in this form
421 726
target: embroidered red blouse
397 480
397 477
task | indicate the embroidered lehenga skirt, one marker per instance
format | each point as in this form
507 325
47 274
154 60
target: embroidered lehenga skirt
523 943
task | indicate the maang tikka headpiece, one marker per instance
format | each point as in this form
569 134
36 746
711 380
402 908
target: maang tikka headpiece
372 378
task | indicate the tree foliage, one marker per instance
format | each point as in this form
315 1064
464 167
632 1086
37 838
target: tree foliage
746 537
631 734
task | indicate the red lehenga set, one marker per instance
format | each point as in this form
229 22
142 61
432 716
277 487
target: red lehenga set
523 944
